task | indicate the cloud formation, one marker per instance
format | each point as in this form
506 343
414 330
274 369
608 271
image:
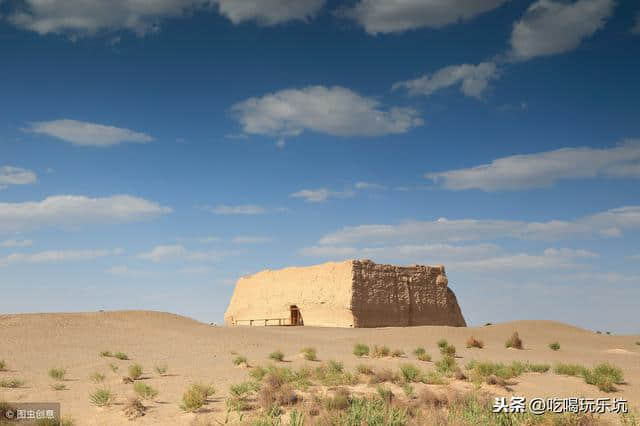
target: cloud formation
473 80
57 256
16 243
609 223
551 27
179 252
243 209
74 210
321 194
251 239
10 175
82 133
389 16
544 169
335 111
269 12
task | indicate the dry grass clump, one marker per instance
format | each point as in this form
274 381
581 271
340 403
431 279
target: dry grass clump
514 341
59 386
145 391
196 396
340 400
3 365
397 353
554 346
380 351
121 356
360 350
135 371
114 367
97 377
277 356
383 375
431 399
472 342
433 377
134 408
309 354
275 393
161 369
364 369
101 397
106 354
57 373
239 360
385 394
12 383
422 354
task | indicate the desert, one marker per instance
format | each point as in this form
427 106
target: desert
186 351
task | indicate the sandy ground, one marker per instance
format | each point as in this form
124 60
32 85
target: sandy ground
31 344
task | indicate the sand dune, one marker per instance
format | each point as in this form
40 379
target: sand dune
31 344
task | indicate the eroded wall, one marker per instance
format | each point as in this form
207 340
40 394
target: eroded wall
321 292
388 295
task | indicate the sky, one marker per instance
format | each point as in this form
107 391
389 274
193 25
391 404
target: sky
153 152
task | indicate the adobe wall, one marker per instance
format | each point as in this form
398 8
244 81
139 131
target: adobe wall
387 295
321 292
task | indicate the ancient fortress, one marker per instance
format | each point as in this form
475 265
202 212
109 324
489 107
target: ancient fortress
353 293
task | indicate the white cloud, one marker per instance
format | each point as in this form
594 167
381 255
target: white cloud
251 239
244 209
550 27
73 210
545 168
473 80
269 12
179 252
16 243
387 16
335 111
57 256
82 133
443 229
368 185
321 194
88 17
10 175
550 259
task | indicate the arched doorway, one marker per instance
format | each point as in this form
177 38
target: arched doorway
296 316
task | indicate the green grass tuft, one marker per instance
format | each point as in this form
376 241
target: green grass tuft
240 360
161 369
57 373
554 346
97 377
360 350
121 356
145 391
11 383
277 356
101 397
310 354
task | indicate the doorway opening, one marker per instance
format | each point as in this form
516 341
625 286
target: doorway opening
296 316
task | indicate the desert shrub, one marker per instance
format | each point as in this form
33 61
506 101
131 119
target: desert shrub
514 341
554 346
431 399
385 394
161 369
335 366
538 368
459 374
383 375
481 370
144 391
276 395
3 365
364 369
448 350
340 400
408 390
446 365
360 350
11 383
58 386
310 354
380 351
205 390
472 342
569 369
97 377
332 374
57 373
433 377
241 390
135 371
106 354
101 397
638 343
277 356
424 357
192 400
605 376
442 343
397 353
486 324
368 411
114 367
257 373
410 373
121 356
419 351
281 375
237 360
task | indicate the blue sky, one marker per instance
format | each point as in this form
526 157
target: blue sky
150 154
